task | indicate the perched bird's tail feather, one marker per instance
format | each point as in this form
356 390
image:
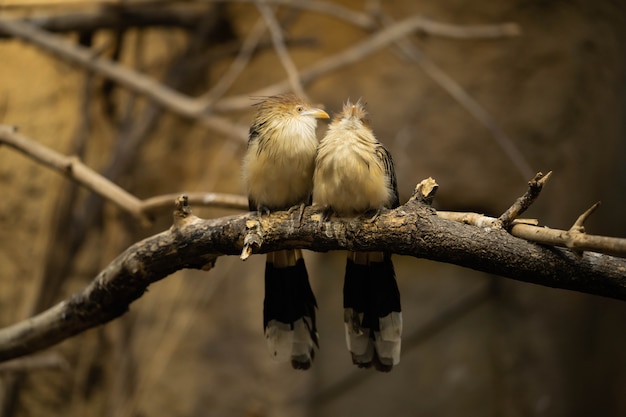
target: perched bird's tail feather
372 313
289 309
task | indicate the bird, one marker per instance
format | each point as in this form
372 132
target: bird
354 176
278 175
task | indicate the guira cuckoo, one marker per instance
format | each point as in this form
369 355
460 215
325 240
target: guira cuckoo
354 175
278 173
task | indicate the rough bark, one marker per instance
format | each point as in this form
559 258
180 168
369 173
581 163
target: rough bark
412 229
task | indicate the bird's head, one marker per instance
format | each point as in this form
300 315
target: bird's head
289 107
353 115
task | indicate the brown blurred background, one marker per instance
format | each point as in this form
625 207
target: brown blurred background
474 345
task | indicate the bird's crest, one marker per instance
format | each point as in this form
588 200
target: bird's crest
354 111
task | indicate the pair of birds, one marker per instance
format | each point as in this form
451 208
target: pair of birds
348 173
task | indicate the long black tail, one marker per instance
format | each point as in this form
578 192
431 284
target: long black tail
372 313
289 309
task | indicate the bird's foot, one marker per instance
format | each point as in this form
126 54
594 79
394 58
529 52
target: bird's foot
326 214
374 216
300 213
262 210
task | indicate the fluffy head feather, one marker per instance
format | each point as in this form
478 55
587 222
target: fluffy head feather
352 116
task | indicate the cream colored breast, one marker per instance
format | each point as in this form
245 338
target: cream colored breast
280 174
348 176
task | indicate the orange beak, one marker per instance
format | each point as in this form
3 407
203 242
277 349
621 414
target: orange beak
317 113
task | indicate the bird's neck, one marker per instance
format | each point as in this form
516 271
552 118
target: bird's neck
293 137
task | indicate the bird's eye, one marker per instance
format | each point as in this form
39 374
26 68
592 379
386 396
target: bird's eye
299 109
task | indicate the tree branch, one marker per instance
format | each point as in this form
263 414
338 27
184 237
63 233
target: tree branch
458 93
322 7
375 42
73 168
278 40
134 81
413 229
575 238
199 108
45 361
521 204
119 16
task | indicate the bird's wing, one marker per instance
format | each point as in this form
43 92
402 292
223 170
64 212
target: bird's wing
384 155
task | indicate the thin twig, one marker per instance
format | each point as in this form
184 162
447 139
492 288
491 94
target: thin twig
73 168
217 200
575 238
134 81
578 242
580 221
279 46
120 16
474 219
40 362
237 66
465 100
470 104
370 45
524 202
528 229
83 175
197 108
324 7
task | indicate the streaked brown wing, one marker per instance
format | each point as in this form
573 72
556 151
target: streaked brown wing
383 154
